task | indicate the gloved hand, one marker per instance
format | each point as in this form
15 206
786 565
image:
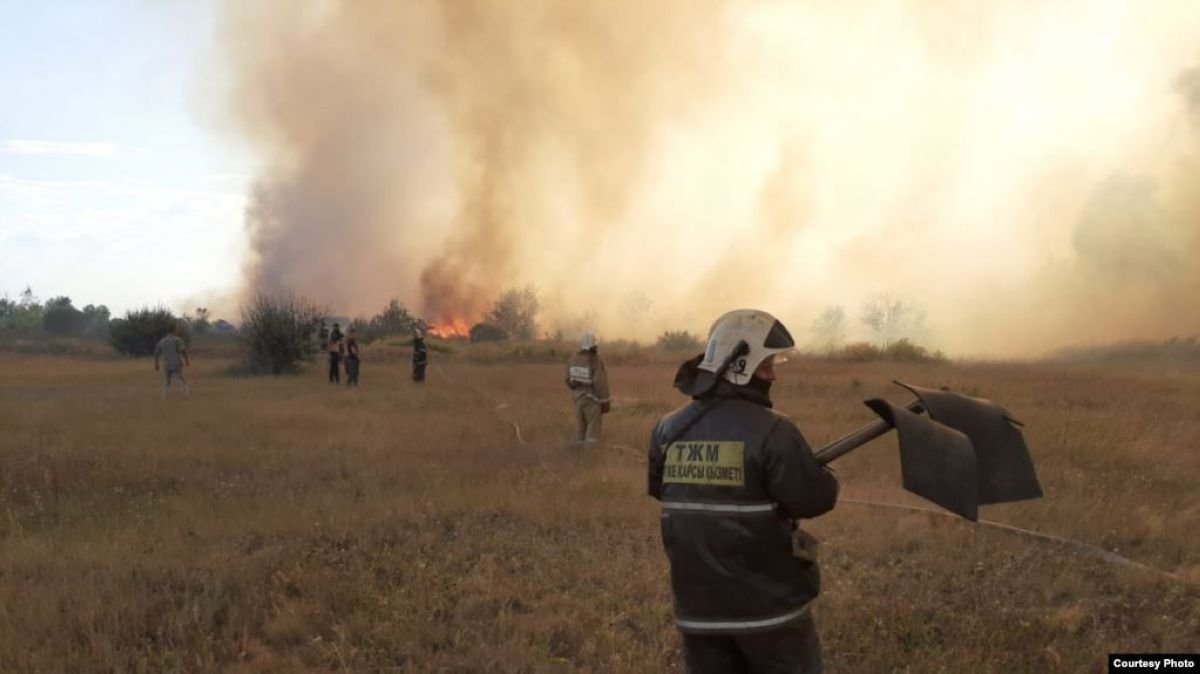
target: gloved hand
605 408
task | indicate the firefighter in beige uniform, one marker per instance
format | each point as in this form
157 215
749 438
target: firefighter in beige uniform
588 381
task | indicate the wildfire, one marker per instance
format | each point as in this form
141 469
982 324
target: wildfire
450 328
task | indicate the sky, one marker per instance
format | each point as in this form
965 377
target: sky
115 185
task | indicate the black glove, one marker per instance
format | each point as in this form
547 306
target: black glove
605 408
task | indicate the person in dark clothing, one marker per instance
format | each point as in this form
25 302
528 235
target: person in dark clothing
336 347
734 477
420 357
352 358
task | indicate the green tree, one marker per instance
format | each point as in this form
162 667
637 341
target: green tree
137 333
516 311
395 319
60 317
22 315
95 320
29 300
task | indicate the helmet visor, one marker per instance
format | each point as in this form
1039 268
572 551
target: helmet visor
779 338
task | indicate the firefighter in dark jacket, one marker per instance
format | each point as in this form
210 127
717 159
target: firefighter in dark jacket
734 477
420 357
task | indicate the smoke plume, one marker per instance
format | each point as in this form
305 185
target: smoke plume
1024 172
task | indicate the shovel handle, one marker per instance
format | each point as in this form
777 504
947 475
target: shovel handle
859 437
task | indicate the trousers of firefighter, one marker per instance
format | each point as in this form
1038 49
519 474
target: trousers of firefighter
588 381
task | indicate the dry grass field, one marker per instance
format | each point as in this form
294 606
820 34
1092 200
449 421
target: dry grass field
284 525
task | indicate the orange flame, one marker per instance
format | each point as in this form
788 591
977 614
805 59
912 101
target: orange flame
450 328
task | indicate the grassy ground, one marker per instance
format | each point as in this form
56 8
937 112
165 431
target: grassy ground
283 525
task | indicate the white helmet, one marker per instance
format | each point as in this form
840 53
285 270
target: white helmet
763 334
587 341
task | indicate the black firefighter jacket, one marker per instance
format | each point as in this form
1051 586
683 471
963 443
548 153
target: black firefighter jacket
730 486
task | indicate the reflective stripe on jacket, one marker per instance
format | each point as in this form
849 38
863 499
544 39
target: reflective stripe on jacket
586 376
730 485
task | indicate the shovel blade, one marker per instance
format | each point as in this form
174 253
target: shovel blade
936 462
1005 470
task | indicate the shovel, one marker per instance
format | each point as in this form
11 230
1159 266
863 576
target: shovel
967 452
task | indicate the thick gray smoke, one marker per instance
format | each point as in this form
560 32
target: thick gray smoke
1024 173
423 149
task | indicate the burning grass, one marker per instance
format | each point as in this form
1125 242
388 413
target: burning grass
284 525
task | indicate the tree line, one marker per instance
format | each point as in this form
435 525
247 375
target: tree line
281 333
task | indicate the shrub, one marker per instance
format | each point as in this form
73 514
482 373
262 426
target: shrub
900 350
486 332
60 317
678 340
905 350
139 331
280 333
858 351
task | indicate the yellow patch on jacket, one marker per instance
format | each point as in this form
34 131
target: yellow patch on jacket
705 462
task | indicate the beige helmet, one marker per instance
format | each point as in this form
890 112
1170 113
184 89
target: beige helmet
763 334
587 341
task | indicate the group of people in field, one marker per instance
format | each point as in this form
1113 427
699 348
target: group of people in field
343 350
734 479
170 357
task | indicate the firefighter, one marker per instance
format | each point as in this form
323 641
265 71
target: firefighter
336 349
588 381
420 356
734 477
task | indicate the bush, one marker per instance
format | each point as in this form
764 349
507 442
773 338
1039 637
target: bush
900 350
904 350
60 317
486 332
858 351
139 331
678 340
280 333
